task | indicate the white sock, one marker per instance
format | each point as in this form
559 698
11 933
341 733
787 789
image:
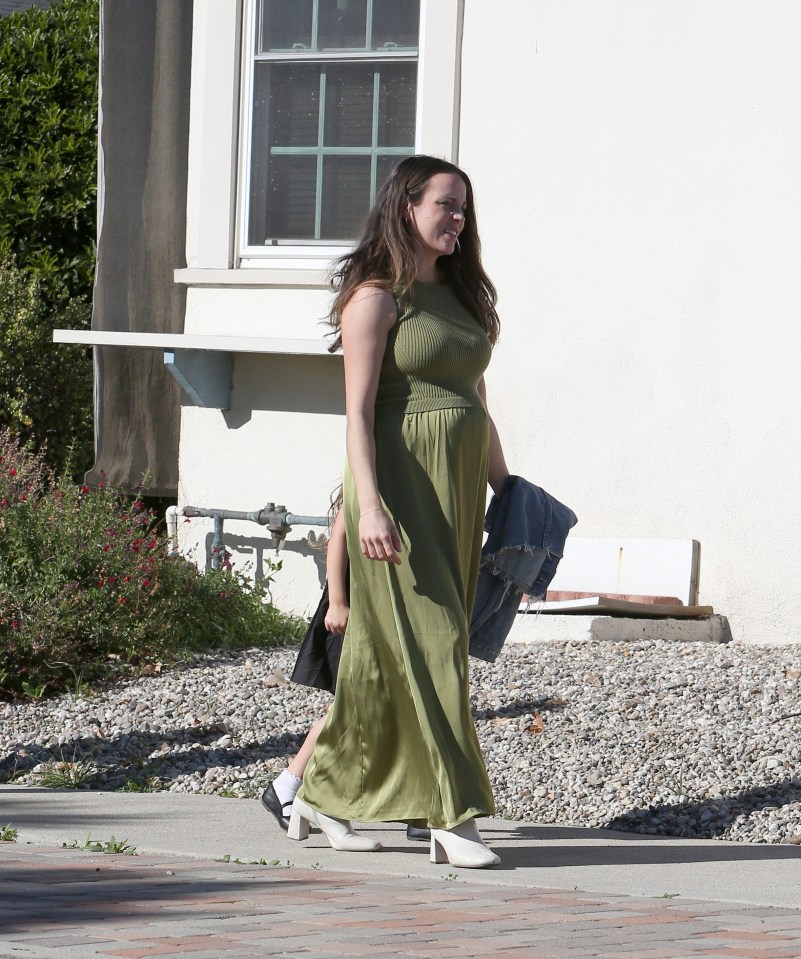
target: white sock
286 786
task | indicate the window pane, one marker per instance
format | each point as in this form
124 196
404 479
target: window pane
327 131
293 102
346 196
397 104
349 105
384 166
396 22
342 24
291 194
285 24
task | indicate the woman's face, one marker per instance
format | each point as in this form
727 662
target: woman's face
438 217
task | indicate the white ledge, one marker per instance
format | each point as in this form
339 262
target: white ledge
197 341
265 277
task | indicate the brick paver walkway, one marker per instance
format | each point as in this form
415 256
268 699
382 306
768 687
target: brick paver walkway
70 904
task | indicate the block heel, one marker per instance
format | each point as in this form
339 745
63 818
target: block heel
298 826
462 846
438 854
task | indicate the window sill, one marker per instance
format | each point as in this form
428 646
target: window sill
197 341
254 277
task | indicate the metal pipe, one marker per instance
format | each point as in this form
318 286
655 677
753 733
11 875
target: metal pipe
252 517
217 549
276 518
295 519
171 518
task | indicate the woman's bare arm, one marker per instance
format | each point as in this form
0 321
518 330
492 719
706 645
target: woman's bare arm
366 322
498 470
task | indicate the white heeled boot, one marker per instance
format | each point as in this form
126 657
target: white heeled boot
339 832
462 846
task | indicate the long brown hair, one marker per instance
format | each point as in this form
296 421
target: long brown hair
385 255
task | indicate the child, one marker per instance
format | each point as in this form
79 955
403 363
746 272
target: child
317 664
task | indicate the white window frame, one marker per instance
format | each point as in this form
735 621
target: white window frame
219 139
376 59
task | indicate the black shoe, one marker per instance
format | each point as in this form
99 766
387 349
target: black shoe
422 834
271 802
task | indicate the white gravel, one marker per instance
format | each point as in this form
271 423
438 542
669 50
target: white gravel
681 739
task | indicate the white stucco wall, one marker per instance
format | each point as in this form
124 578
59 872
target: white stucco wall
642 223
282 440
636 170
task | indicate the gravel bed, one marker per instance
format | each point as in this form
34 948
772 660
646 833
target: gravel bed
680 739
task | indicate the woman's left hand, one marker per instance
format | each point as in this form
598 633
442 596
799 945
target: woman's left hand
379 538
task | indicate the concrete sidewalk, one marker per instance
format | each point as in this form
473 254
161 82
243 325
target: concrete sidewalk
559 891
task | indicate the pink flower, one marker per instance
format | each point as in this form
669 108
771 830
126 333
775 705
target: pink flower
12 472
146 582
122 600
84 488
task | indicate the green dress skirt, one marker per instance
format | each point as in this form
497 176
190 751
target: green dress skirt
399 743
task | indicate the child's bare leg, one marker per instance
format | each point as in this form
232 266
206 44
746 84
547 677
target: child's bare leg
298 765
285 786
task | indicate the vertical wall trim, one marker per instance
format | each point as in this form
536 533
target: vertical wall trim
213 134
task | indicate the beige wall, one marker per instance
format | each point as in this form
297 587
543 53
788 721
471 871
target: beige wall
636 169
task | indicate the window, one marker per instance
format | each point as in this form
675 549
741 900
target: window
334 102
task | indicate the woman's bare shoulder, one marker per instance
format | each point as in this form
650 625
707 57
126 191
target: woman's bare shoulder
372 303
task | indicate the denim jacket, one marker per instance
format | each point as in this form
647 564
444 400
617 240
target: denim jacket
527 532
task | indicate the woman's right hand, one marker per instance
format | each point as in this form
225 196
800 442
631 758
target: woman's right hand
378 537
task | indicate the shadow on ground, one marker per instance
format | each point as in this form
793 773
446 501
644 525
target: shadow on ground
35 895
708 818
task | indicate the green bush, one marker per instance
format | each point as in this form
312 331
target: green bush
48 132
48 186
45 389
89 592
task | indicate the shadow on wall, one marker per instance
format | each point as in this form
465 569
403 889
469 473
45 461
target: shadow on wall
290 384
252 551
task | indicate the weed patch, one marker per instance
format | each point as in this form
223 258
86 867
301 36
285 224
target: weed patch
111 847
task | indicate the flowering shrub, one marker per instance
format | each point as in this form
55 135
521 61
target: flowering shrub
88 590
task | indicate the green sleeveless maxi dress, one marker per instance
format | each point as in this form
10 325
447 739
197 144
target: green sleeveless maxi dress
399 743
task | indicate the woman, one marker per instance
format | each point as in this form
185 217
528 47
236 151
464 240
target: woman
317 665
416 318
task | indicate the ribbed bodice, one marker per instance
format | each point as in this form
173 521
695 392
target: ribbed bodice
436 353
